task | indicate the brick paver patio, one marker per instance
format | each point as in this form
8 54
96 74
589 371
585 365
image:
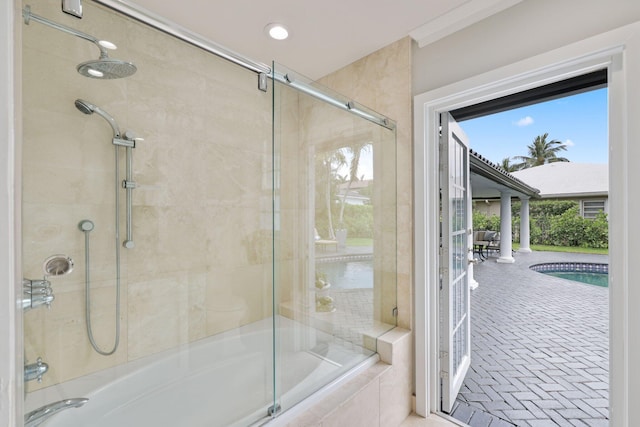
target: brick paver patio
540 351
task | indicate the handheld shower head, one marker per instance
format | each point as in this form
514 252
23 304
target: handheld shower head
88 108
84 106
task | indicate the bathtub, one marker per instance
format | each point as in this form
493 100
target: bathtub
224 380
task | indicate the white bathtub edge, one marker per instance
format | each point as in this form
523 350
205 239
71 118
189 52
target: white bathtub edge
304 405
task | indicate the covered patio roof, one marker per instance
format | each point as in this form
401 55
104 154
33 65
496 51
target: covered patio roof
488 180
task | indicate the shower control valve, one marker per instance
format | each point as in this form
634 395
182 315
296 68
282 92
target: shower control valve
36 293
35 371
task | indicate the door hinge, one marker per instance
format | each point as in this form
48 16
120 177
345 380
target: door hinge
444 374
394 312
443 354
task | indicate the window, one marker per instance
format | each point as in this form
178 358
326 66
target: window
590 208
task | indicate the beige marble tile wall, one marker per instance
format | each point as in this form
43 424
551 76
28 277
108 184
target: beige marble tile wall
382 81
201 212
308 129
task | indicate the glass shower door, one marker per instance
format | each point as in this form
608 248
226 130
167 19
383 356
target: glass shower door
334 235
196 289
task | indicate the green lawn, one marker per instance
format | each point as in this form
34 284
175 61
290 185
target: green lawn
565 249
362 241
359 241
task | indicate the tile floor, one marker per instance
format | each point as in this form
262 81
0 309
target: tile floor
539 348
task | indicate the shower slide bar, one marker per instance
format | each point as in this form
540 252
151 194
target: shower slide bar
128 141
141 14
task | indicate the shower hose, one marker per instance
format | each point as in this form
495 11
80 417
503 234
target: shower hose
86 226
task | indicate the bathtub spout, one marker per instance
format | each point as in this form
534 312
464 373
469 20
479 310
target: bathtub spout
40 415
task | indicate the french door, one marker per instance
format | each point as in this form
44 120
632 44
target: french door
455 338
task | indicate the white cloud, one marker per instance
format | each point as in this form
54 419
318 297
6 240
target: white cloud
569 143
525 121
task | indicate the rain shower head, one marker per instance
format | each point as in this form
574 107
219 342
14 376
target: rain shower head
101 68
89 108
106 68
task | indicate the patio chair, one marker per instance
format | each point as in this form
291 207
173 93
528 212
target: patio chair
482 239
494 243
322 244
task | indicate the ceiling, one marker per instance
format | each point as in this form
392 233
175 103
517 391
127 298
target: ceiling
325 35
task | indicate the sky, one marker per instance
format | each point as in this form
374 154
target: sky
578 121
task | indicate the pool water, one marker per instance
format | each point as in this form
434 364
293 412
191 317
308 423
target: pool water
597 279
596 274
349 274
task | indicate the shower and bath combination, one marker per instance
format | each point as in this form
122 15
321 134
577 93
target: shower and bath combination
128 140
101 68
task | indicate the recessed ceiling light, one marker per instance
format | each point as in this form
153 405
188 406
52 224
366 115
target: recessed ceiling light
277 31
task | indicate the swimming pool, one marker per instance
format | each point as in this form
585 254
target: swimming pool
348 273
584 272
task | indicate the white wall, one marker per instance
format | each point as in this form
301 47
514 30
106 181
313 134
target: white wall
507 45
525 30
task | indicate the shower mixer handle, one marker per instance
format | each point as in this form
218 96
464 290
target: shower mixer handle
36 293
35 287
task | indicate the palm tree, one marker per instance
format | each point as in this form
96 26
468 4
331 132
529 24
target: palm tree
542 152
355 151
507 165
326 169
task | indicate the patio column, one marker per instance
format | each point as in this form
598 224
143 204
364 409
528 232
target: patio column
505 228
525 232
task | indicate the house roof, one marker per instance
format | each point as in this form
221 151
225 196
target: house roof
489 179
567 179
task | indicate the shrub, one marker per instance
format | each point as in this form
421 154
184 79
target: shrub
597 232
553 222
568 229
482 221
358 220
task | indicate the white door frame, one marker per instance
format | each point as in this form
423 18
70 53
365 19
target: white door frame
619 52
11 391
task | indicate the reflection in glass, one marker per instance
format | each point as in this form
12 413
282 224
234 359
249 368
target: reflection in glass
337 264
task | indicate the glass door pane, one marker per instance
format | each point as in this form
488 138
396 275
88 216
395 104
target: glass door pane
335 222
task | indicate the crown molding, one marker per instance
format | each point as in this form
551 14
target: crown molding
463 16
